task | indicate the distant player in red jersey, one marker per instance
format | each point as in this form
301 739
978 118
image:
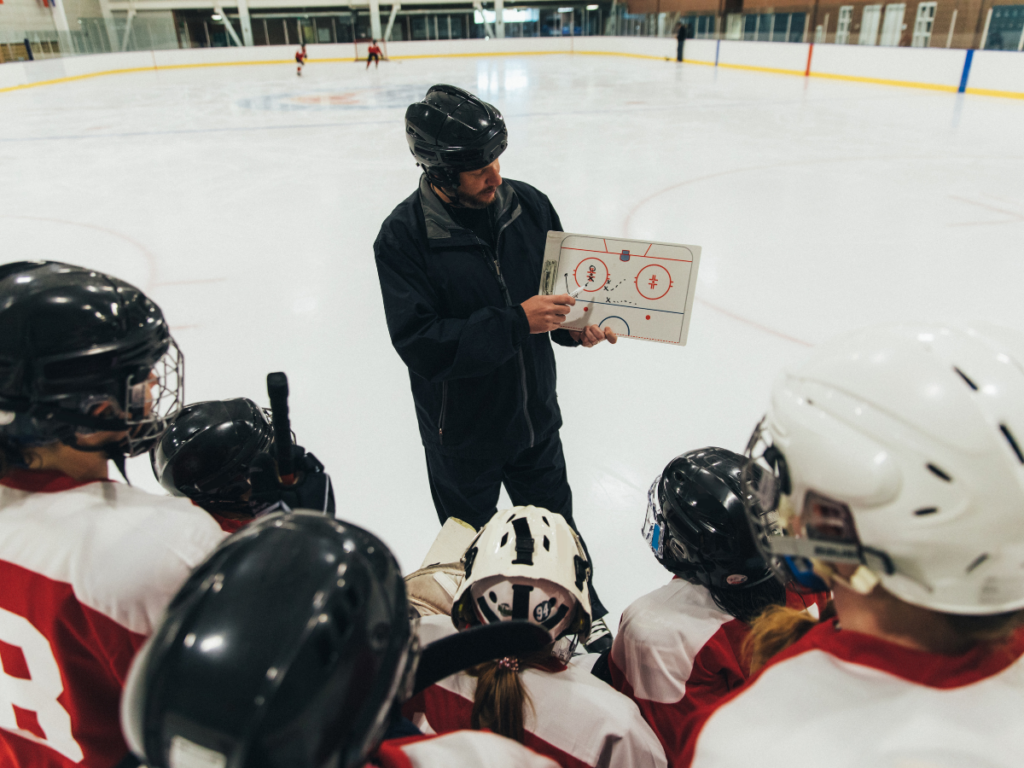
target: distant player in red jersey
88 372
374 54
300 58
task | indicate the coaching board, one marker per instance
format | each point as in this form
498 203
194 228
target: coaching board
638 288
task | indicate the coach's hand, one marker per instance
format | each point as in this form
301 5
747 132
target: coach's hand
594 334
546 313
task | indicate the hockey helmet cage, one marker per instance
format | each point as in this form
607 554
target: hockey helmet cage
697 525
526 564
207 449
287 648
898 449
451 131
80 352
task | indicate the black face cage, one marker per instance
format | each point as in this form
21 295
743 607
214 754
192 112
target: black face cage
152 399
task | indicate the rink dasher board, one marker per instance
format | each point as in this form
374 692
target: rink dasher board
624 284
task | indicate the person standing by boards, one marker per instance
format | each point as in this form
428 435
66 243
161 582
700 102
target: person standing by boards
459 263
682 33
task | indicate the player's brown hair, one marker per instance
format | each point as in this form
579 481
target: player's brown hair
777 628
501 698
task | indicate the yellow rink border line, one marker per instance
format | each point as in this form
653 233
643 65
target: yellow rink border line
723 65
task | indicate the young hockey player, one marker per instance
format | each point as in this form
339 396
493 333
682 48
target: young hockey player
88 373
527 564
300 58
682 645
895 458
374 54
209 451
290 648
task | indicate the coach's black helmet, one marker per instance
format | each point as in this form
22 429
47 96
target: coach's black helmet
206 452
451 131
81 351
698 529
287 648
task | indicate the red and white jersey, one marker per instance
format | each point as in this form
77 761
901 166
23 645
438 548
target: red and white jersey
841 698
374 49
86 572
677 650
459 749
576 719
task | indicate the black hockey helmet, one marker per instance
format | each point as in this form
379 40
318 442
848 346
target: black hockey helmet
81 351
206 452
285 649
697 526
451 131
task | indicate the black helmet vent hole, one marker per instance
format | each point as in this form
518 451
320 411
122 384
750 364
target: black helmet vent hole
966 378
547 544
939 473
1013 443
504 540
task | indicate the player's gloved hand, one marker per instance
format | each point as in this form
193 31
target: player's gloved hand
312 488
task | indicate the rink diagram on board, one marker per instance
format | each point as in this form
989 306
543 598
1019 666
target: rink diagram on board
638 289
245 201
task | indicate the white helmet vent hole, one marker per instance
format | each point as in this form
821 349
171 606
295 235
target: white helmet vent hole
977 561
939 473
966 378
545 521
547 544
1013 443
504 540
493 597
927 511
511 518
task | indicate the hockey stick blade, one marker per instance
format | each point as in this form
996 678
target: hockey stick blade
474 646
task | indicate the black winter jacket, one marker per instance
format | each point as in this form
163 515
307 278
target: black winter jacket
483 385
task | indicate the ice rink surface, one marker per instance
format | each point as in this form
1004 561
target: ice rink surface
245 201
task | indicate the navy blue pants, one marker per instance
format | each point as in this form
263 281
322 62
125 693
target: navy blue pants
469 488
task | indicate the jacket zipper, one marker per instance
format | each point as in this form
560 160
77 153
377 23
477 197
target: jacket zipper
444 406
519 352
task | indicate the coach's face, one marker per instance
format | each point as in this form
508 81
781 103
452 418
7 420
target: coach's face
478 188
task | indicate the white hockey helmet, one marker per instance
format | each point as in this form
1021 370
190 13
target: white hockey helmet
526 564
900 449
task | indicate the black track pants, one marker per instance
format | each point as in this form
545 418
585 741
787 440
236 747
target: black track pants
468 489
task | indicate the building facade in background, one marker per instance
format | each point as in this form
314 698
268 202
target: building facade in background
47 28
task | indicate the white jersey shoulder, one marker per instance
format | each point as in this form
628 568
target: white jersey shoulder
124 552
845 714
578 714
661 634
473 749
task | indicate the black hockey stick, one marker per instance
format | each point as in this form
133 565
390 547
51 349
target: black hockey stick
474 646
277 388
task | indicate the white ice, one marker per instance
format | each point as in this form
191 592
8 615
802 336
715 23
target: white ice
245 201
